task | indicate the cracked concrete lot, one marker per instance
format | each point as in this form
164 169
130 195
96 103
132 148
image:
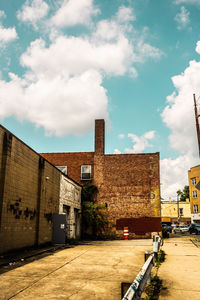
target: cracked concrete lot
91 271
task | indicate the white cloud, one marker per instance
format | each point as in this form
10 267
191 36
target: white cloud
116 151
149 135
187 1
33 11
60 105
174 174
73 55
7 35
2 14
140 143
61 89
170 98
115 27
198 47
119 26
146 51
125 14
121 136
73 12
178 116
182 18
133 72
107 30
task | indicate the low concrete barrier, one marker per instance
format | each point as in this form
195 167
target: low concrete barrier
137 287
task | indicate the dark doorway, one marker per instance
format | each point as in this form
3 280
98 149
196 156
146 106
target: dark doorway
59 229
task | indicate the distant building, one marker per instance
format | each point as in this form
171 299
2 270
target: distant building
31 191
128 184
176 211
194 187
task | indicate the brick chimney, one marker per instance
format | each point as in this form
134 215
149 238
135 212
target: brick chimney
99 137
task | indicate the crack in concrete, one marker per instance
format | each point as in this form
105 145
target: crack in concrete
60 267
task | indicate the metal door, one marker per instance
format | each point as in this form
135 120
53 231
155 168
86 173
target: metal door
59 229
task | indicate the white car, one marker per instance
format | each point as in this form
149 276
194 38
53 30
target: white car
181 228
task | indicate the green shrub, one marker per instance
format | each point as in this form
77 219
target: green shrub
94 218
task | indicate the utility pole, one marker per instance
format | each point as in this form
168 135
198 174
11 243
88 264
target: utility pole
178 218
197 122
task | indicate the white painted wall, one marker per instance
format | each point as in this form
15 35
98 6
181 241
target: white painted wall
70 196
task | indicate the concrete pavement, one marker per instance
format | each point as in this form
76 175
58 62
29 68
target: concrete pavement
181 270
95 271
91 271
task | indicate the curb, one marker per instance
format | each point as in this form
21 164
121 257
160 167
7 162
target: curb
17 257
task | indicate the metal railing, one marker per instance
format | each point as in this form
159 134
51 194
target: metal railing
137 287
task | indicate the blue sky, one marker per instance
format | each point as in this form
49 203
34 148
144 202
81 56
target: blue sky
134 63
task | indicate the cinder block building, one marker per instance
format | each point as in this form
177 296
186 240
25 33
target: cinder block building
31 191
128 184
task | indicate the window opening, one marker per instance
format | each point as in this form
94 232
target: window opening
62 169
86 172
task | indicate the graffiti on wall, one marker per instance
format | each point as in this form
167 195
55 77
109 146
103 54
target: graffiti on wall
15 208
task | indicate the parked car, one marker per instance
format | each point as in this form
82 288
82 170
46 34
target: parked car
181 228
173 225
166 229
194 228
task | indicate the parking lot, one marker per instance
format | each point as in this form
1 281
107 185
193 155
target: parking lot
91 271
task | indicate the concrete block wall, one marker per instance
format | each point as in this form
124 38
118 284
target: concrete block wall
49 201
27 198
18 204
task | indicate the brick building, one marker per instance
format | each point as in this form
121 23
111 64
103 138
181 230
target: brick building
129 184
194 188
31 191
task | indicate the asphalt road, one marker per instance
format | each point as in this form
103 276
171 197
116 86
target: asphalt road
90 271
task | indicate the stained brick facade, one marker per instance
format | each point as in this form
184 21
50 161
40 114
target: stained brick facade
129 184
29 194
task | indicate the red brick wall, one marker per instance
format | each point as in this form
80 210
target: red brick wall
73 161
99 136
128 183
125 182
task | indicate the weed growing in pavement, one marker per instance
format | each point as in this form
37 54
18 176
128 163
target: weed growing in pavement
160 259
153 289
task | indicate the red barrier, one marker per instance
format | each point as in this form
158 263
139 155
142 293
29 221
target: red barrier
126 234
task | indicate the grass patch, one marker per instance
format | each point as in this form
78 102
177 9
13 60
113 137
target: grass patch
153 289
